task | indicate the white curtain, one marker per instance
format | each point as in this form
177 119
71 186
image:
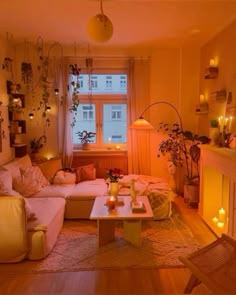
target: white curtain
139 99
64 119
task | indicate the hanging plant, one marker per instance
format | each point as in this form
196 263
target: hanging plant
26 72
74 72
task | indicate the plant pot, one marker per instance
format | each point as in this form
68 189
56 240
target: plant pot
86 146
191 194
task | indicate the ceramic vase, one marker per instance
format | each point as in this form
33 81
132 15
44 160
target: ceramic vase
114 189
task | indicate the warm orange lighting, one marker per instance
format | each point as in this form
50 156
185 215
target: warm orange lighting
220 224
100 28
215 219
141 124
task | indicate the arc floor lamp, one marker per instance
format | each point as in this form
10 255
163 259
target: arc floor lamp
143 124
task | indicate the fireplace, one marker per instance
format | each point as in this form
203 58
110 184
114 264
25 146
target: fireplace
217 204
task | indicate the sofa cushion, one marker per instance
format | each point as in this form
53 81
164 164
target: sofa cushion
50 168
43 232
5 182
36 174
13 241
14 166
64 177
30 182
55 191
86 172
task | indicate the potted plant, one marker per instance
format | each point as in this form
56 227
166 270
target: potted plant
183 149
85 138
37 144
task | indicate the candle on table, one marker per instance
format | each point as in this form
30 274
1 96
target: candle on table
111 203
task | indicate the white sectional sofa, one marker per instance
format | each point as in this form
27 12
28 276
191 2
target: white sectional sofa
35 199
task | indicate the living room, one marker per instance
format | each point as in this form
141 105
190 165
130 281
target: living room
177 70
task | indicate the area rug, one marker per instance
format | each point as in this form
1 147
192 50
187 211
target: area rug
76 249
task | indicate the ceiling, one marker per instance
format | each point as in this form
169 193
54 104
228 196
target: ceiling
141 23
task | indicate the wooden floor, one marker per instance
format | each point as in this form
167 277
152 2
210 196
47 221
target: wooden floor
113 282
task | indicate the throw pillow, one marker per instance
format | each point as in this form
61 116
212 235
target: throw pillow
5 182
86 172
36 174
63 177
26 186
50 167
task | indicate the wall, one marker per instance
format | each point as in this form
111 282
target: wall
7 153
175 79
222 48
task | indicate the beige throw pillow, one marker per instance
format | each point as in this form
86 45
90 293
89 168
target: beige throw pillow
30 182
86 172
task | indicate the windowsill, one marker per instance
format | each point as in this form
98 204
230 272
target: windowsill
100 152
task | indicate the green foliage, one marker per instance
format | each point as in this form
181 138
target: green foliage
85 136
182 147
36 144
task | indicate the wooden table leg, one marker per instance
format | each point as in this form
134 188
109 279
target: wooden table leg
132 231
105 231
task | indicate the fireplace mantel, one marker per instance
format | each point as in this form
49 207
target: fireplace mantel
217 188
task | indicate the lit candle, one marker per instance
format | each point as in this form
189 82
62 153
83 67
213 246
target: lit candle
230 122
111 203
202 99
221 214
215 219
212 63
220 224
221 123
117 147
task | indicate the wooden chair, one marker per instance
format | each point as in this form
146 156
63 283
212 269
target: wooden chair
214 265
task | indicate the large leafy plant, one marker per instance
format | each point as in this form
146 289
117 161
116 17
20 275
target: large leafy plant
182 148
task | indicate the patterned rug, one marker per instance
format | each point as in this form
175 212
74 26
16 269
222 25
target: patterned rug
162 243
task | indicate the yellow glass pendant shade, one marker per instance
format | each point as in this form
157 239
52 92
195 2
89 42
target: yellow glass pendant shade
100 28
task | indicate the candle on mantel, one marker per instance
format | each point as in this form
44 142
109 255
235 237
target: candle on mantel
118 147
212 63
215 219
230 122
202 99
221 123
221 214
220 224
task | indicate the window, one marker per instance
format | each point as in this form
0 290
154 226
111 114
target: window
103 112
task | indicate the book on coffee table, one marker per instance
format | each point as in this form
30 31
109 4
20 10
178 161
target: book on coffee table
138 207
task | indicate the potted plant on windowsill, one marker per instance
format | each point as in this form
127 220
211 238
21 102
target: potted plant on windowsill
85 138
182 148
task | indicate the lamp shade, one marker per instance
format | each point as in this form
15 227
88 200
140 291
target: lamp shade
100 28
141 124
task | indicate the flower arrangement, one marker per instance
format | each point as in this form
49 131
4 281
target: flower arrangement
114 174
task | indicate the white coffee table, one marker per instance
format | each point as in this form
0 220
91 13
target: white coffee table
106 220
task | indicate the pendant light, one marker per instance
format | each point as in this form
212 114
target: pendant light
100 28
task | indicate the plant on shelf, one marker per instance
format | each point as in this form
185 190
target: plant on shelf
37 144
